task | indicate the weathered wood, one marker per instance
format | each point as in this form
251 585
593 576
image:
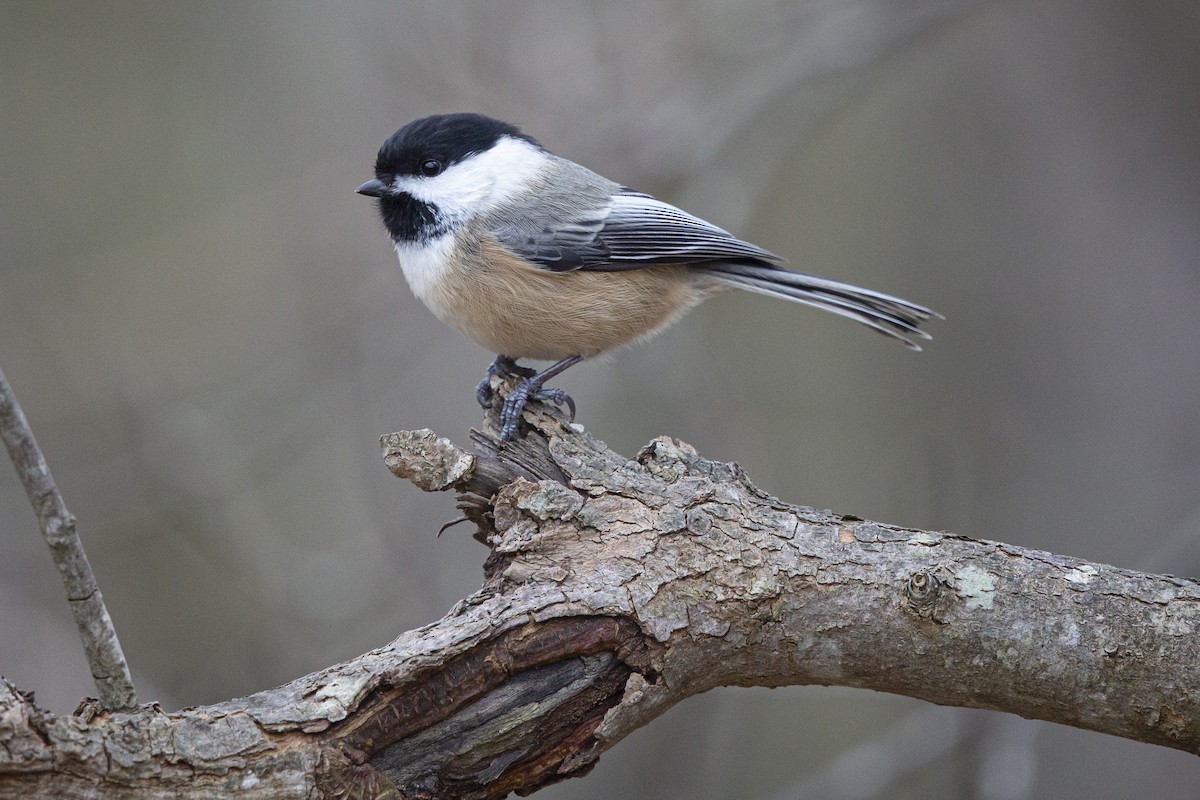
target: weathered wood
616 588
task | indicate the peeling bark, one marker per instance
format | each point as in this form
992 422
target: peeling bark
616 588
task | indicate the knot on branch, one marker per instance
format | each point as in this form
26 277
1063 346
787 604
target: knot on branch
921 592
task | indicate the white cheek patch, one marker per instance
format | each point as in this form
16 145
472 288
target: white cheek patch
481 182
425 264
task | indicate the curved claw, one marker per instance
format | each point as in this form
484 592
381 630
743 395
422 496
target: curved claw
484 392
559 398
504 366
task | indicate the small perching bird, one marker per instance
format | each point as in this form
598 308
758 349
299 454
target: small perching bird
533 256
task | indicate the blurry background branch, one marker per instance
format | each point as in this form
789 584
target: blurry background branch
96 631
617 588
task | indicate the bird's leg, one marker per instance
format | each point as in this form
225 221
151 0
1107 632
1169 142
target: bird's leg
514 404
503 365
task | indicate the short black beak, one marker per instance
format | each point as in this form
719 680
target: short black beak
373 188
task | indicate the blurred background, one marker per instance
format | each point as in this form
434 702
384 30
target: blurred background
209 332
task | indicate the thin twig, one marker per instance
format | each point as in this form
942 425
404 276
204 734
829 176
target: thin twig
100 643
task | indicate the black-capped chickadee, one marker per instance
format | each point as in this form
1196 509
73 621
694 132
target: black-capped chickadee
533 256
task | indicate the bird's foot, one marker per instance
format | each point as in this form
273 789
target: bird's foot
531 387
503 366
514 405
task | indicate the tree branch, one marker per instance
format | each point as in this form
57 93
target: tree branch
616 588
100 644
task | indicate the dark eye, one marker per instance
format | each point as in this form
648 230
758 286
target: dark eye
431 167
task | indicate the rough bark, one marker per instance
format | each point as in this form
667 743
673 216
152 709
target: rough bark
616 588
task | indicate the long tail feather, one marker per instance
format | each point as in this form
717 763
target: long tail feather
891 316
